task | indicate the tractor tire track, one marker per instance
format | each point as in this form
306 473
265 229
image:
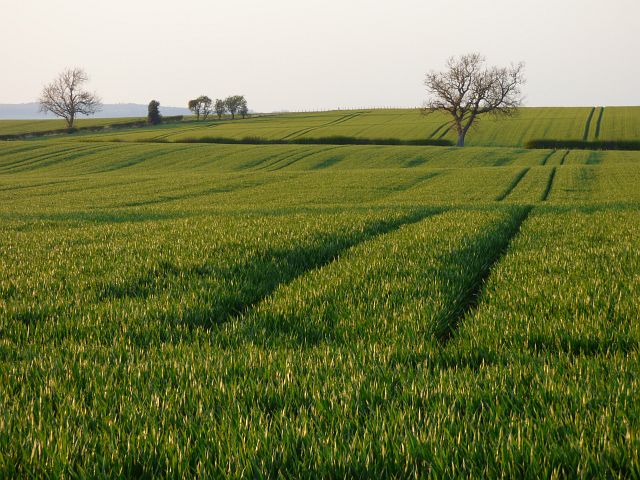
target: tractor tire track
304 131
587 126
305 156
599 123
547 157
547 190
514 183
446 326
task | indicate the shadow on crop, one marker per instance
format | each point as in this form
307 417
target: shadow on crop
252 280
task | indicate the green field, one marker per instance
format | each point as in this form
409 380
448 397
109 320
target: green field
21 127
178 310
610 123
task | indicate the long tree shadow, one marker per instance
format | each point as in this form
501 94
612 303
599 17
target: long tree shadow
465 274
228 291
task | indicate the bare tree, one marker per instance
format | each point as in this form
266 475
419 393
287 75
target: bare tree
220 107
64 97
468 89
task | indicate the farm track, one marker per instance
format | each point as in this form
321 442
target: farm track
23 148
435 132
419 181
138 159
47 162
190 195
264 267
547 157
270 161
76 185
445 132
587 125
8 167
302 157
599 123
564 157
35 185
447 324
547 190
518 178
304 131
264 161
182 131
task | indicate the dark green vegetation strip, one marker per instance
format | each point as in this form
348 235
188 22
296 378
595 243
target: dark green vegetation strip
587 125
333 140
93 128
585 145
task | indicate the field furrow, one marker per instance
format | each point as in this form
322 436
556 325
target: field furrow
547 191
516 181
587 125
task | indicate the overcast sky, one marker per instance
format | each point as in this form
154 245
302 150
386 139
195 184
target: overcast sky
304 54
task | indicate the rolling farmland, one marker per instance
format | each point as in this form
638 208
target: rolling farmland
193 309
22 127
589 124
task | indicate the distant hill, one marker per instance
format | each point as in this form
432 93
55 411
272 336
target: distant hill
29 111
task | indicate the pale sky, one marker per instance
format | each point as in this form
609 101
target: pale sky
307 54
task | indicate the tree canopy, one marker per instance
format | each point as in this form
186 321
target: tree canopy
467 89
65 98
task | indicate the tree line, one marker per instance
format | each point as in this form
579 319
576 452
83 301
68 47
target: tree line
66 98
203 106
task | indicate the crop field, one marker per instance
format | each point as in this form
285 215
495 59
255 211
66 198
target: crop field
597 123
18 127
251 311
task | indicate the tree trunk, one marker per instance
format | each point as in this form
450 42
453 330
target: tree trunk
70 120
461 135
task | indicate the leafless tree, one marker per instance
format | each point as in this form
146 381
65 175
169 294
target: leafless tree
64 97
468 89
